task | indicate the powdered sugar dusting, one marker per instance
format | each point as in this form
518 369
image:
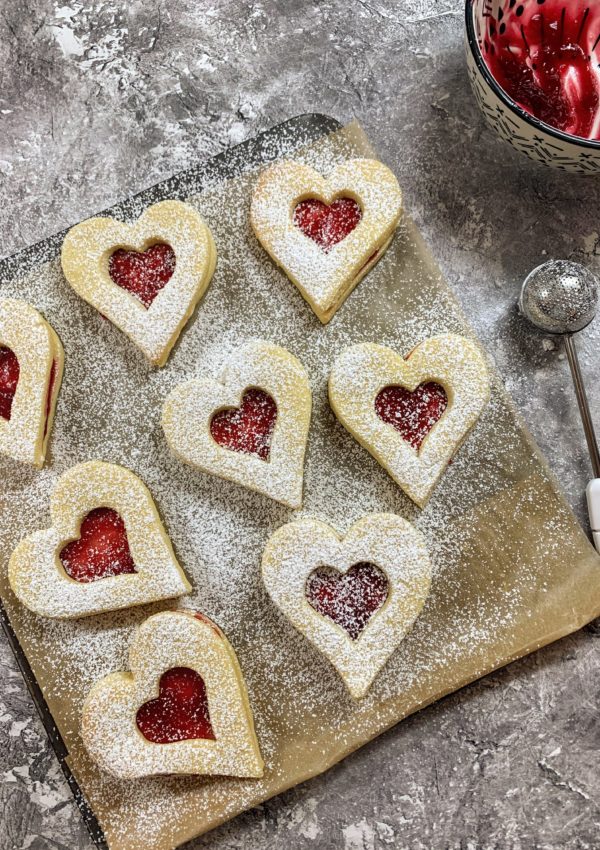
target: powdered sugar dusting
326 278
362 371
299 548
90 247
497 533
39 358
189 411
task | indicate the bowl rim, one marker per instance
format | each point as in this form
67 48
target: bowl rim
580 141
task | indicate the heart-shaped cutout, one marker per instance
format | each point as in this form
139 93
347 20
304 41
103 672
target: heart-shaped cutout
431 399
107 548
349 599
143 273
146 277
183 709
326 234
412 413
327 224
102 549
9 378
179 712
249 427
259 411
31 370
383 579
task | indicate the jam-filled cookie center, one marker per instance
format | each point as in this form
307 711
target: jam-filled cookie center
412 413
9 378
143 273
350 599
249 427
179 712
327 224
102 549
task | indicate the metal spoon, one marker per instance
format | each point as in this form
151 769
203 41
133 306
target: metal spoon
561 297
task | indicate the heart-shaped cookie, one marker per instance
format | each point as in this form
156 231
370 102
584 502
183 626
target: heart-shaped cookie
31 370
411 413
107 548
326 233
146 277
365 609
182 709
251 427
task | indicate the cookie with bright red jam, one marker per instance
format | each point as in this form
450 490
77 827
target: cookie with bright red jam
326 233
96 559
182 708
31 370
146 277
250 426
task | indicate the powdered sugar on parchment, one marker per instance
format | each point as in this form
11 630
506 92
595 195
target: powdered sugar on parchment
484 585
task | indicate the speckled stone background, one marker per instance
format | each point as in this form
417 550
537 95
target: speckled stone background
100 99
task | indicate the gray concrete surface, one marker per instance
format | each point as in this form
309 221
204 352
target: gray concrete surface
99 99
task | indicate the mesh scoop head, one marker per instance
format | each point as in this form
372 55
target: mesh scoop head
559 297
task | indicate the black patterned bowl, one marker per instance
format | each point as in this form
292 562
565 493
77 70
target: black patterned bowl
486 22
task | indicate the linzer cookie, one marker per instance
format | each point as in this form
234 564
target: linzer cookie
183 708
31 370
326 233
354 597
251 426
107 548
145 277
411 413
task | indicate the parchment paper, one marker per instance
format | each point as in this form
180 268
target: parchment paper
512 568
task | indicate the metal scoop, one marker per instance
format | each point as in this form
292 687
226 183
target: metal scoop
561 297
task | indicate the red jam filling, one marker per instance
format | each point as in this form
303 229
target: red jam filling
349 599
544 56
327 224
370 260
102 549
51 382
248 428
412 414
179 712
9 378
143 273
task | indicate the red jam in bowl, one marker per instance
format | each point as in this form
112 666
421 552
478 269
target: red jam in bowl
545 55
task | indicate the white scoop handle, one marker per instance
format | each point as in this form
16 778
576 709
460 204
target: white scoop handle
593 489
593 499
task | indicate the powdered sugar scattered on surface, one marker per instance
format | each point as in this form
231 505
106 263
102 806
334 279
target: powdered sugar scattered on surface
478 613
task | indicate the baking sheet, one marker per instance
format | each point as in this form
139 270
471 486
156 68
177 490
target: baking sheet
512 568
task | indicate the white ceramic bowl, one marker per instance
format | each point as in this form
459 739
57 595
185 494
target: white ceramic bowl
527 134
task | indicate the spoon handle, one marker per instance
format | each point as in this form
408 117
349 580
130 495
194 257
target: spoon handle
584 408
592 493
